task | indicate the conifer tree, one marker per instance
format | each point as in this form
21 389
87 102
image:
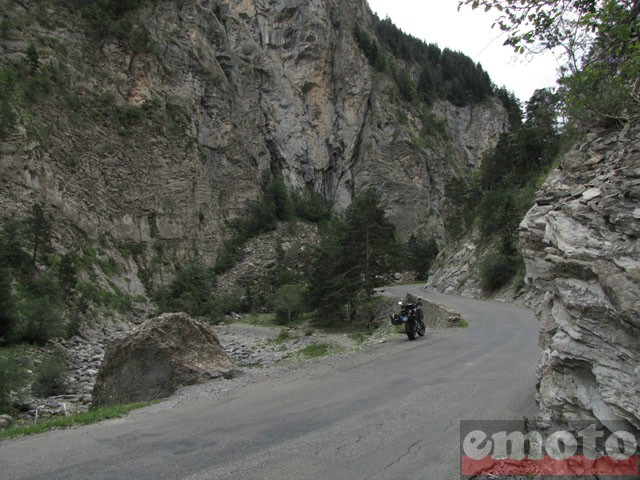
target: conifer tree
355 257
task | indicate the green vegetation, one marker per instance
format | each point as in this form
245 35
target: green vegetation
316 350
496 270
280 290
12 377
443 73
421 253
113 19
274 204
31 299
288 303
599 39
360 337
599 86
283 337
51 376
191 291
498 196
357 254
85 418
40 309
25 85
311 206
255 318
42 294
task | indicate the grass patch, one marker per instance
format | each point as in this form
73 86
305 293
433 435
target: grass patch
86 418
463 324
316 350
283 336
361 337
264 319
399 328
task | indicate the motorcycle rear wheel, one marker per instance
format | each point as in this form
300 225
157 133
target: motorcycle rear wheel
421 328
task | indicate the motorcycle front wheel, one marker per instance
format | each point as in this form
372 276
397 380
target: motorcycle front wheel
410 330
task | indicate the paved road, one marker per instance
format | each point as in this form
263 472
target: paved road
389 412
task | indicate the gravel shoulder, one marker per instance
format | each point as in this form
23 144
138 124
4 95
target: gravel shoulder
259 359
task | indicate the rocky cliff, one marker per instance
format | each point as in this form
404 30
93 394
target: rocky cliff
580 245
144 141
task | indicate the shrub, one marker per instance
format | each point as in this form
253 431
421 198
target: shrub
273 204
311 206
275 192
113 299
12 378
191 291
496 270
51 377
406 85
238 300
288 303
369 310
597 97
7 306
370 49
68 275
283 337
420 255
12 253
40 310
41 321
8 117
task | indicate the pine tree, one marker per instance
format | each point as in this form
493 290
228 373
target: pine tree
354 258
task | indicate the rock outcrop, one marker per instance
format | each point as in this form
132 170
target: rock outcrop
581 249
455 268
157 357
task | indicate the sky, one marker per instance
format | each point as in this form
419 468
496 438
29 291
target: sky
469 31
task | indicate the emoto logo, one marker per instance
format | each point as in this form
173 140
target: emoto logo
508 448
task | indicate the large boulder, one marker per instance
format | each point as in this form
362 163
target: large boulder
157 358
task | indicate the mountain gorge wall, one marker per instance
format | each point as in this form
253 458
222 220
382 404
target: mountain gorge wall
580 246
147 150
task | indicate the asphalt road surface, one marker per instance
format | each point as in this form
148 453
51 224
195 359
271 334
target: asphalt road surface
389 412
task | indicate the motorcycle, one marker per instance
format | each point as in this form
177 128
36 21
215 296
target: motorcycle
412 317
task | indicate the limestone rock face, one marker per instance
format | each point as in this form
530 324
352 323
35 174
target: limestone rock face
455 269
157 357
581 249
149 152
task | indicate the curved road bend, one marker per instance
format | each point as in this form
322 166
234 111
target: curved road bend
386 413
